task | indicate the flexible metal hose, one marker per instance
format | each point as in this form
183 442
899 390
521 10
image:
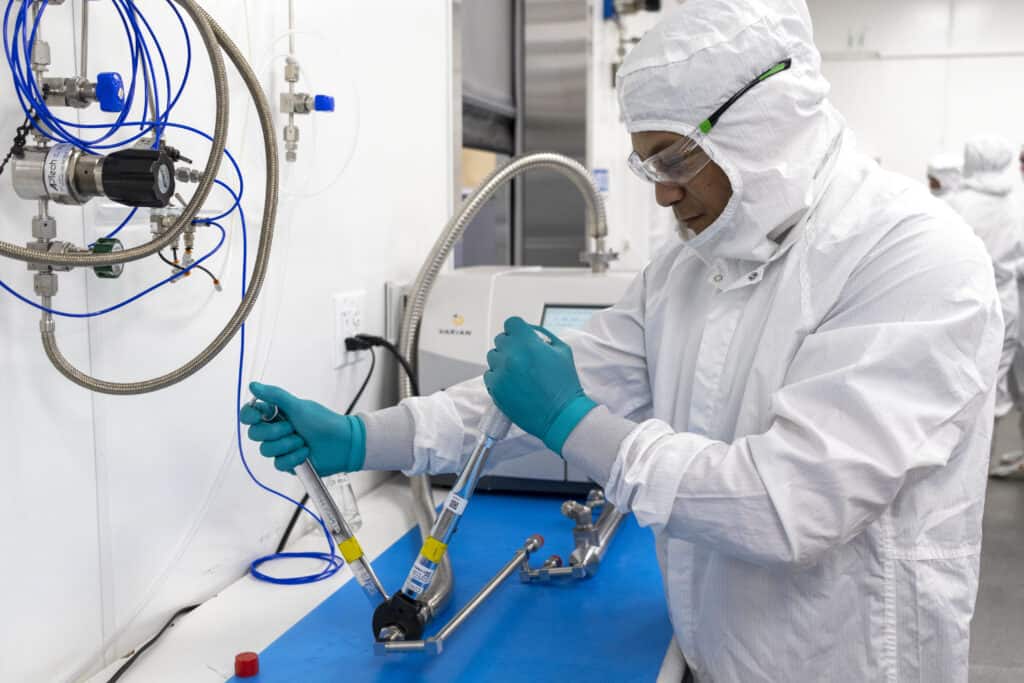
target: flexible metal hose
597 230
47 326
85 259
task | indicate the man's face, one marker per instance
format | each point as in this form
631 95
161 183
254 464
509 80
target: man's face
701 200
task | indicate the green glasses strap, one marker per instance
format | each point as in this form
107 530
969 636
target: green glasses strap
707 124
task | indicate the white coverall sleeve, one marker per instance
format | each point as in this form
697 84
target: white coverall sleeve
880 393
610 360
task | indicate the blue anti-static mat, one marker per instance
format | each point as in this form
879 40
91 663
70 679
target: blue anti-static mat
613 627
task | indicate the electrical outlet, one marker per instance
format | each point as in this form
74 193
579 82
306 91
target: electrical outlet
348 321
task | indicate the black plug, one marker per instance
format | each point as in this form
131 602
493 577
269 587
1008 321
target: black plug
356 344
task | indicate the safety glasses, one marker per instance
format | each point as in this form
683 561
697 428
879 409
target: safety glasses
678 163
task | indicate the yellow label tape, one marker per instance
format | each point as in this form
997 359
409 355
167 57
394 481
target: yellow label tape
350 549
433 549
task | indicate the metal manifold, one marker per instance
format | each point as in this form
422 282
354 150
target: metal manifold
591 536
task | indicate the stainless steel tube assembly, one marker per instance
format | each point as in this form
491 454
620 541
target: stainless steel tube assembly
403 616
213 35
435 644
598 257
343 536
494 428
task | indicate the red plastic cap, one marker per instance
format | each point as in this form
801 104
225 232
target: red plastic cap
247 664
539 539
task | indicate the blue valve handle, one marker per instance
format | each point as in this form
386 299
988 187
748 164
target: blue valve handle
323 103
110 91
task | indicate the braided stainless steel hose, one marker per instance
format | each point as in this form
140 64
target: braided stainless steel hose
47 326
85 259
597 230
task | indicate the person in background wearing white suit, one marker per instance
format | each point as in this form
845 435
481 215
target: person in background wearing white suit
1012 462
945 174
988 201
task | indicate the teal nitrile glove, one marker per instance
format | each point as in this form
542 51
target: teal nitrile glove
534 382
304 430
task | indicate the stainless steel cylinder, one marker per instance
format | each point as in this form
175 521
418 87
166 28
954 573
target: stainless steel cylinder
62 173
27 174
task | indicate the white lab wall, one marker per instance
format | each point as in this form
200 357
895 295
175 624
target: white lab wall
912 78
920 76
119 510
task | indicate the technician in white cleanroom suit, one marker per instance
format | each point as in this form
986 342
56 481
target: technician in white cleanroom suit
797 399
945 174
1012 463
988 201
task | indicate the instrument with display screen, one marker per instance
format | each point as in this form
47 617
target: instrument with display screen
467 309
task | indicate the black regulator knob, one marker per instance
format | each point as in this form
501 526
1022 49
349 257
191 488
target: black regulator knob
139 177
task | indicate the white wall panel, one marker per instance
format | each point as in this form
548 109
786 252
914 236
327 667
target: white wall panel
982 98
50 576
880 25
896 108
987 26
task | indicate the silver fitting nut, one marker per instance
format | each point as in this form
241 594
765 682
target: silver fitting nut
291 71
41 246
291 133
41 54
303 103
44 227
45 284
297 103
187 175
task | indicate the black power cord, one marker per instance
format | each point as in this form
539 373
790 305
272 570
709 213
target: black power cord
365 341
138 653
348 411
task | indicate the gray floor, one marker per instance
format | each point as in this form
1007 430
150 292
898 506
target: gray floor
997 634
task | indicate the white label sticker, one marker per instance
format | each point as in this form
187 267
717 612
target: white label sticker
419 579
456 503
422 574
56 169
